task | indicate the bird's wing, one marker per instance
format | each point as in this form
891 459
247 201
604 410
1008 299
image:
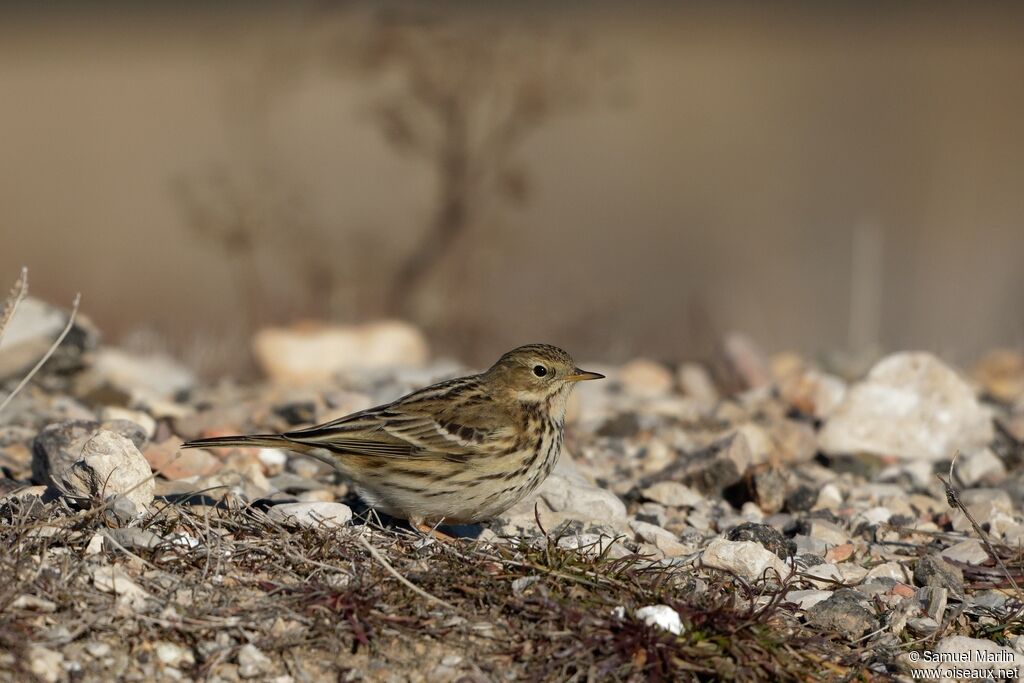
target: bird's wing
430 423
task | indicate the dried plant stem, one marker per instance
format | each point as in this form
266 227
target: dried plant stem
16 296
394 572
42 361
953 499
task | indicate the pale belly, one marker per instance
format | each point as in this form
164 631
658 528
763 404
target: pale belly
471 492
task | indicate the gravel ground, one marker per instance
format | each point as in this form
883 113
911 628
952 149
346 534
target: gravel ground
751 518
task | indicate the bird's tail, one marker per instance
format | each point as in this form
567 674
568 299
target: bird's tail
259 440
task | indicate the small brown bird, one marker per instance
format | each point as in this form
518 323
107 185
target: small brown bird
459 451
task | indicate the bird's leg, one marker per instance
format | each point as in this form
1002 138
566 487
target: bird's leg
420 525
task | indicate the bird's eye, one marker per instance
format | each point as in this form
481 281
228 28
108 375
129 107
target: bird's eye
540 370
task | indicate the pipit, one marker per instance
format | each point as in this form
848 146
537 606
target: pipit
460 451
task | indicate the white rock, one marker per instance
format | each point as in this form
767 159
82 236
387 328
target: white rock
672 494
829 498
746 559
645 378
173 654
969 552
47 664
252 662
273 458
827 532
910 405
888 570
874 515
571 494
110 465
662 616
984 512
662 539
823 575
304 354
311 515
111 579
140 418
695 381
807 598
979 467
143 375
966 653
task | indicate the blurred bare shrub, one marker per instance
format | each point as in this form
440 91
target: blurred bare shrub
466 94
460 93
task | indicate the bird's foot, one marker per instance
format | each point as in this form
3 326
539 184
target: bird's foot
428 530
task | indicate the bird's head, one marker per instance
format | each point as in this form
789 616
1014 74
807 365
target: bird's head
538 372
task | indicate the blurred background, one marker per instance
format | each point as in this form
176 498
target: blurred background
620 180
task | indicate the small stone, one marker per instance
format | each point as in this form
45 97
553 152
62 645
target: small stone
808 545
621 426
662 539
823 575
715 468
766 535
568 492
769 490
672 494
121 511
745 361
316 496
172 654
311 515
968 552
747 559
922 626
172 463
887 570
110 465
791 442
875 515
111 579
30 333
1001 374
143 420
933 600
912 406
829 498
140 375
806 599
309 353
520 585
812 392
133 538
645 378
47 664
976 653
839 553
932 570
695 381
272 459
661 616
827 532
252 662
801 499
980 467
843 613
57 446
984 512
34 603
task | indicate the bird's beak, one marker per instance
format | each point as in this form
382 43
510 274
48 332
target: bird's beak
579 375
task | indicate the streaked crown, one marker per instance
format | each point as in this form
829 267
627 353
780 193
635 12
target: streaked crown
537 370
